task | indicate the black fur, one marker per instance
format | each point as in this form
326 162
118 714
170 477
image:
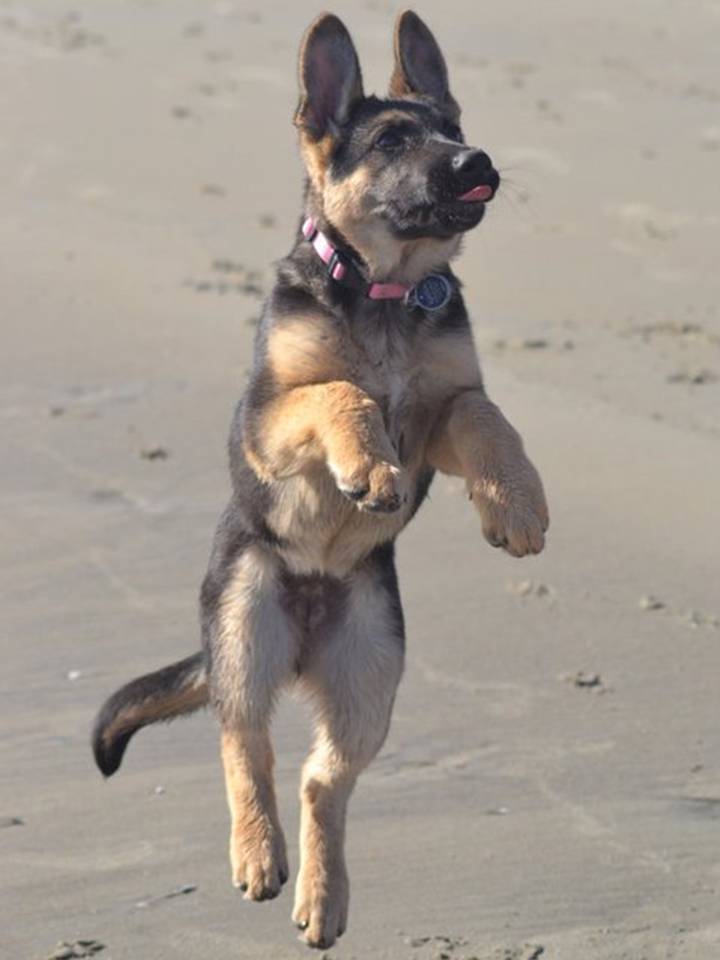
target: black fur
151 687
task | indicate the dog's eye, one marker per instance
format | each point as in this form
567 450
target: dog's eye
390 139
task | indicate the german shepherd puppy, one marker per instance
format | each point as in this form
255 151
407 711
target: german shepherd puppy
365 382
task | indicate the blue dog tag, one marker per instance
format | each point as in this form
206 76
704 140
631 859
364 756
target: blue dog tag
432 293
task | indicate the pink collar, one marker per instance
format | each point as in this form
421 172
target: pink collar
338 270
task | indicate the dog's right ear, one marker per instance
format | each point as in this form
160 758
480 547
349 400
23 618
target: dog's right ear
330 78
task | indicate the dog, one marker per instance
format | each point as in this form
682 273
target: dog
365 383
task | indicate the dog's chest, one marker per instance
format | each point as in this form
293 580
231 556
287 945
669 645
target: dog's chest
388 372
322 530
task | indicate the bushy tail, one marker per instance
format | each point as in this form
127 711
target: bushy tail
180 688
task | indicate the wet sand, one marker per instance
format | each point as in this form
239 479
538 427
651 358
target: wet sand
551 783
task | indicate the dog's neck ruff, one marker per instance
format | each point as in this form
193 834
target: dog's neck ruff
431 293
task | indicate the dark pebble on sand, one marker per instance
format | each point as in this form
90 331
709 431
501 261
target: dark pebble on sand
11 822
649 602
154 453
78 948
696 378
588 681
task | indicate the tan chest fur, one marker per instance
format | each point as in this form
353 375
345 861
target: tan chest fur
410 373
325 532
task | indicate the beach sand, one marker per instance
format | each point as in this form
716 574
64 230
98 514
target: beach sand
551 783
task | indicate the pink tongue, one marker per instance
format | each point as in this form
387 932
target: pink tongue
481 192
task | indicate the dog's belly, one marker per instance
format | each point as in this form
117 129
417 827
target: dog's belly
321 531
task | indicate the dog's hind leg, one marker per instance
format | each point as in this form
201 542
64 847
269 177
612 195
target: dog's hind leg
253 652
257 846
351 676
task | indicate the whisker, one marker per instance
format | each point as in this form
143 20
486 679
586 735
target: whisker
514 169
510 201
506 179
517 188
518 199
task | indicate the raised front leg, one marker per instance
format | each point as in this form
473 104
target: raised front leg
352 677
475 441
336 423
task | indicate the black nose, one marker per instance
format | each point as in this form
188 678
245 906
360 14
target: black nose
472 163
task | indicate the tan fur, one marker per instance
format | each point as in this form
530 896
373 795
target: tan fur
333 422
449 364
254 656
346 201
322 890
305 349
400 261
413 259
352 681
333 427
347 204
337 434
388 117
327 532
399 84
257 845
254 650
316 157
475 441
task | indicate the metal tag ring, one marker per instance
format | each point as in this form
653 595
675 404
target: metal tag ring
433 292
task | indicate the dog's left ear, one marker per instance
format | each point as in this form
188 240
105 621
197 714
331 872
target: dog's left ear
419 64
329 74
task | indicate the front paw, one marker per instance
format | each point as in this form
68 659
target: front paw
514 515
374 486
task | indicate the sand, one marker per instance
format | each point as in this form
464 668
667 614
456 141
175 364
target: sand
551 783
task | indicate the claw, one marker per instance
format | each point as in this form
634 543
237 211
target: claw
357 493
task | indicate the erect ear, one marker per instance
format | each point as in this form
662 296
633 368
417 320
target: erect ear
330 78
419 63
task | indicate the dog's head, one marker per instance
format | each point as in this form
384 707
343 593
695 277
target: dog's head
394 177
